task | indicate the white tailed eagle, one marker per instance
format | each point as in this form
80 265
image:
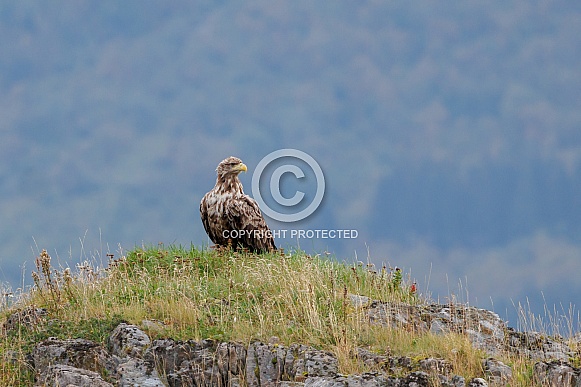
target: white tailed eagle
231 217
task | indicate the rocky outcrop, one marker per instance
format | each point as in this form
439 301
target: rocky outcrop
557 374
28 317
536 346
128 344
207 362
79 353
498 373
485 329
130 358
65 375
81 362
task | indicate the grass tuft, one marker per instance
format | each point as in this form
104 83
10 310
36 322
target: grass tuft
228 296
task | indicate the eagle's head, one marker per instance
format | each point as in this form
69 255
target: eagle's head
231 166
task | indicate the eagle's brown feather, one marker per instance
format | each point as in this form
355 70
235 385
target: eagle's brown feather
231 217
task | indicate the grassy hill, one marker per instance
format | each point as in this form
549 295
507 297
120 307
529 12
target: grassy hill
457 126
231 296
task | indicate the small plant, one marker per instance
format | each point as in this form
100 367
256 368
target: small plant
45 281
396 279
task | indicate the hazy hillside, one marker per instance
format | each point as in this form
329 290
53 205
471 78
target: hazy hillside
448 133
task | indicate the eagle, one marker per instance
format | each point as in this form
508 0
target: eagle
232 218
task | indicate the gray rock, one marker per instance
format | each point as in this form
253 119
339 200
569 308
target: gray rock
436 366
439 327
537 346
396 315
134 360
557 374
167 355
320 363
299 361
128 340
260 364
498 373
416 379
373 360
364 380
484 328
59 375
133 372
359 301
323 382
231 359
458 381
28 317
128 343
269 366
478 382
397 365
252 369
79 353
207 362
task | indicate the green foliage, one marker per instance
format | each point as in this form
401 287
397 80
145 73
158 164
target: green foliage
95 329
231 296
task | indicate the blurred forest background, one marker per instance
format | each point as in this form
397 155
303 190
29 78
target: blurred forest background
449 132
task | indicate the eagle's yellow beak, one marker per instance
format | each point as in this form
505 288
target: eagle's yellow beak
241 167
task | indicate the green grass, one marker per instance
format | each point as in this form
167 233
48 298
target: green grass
228 296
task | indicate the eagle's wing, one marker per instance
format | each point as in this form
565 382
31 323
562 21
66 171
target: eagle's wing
245 215
211 219
205 219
